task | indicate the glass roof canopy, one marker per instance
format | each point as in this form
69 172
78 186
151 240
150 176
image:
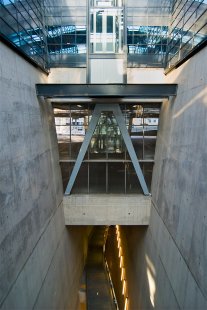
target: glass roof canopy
155 33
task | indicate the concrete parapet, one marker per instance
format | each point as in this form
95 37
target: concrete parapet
107 209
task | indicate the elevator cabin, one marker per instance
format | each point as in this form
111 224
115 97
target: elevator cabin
106 27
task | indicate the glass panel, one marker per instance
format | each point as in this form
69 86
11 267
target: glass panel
109 24
107 138
132 182
99 21
63 135
107 167
116 178
97 178
79 121
66 170
81 182
137 136
147 171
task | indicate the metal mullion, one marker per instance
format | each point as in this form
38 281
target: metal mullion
107 178
172 48
18 11
18 34
18 28
37 2
197 20
147 28
5 8
200 29
193 35
185 14
30 15
70 152
190 39
88 178
44 33
13 17
23 27
143 136
61 34
174 55
174 18
125 179
32 48
88 35
201 15
171 40
35 7
32 9
190 17
181 19
9 26
38 55
175 8
89 166
177 27
124 40
187 21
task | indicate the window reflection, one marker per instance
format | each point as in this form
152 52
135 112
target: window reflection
23 24
187 29
158 34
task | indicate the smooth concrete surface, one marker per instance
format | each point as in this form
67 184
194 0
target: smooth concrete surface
67 76
40 260
145 75
105 71
106 209
167 262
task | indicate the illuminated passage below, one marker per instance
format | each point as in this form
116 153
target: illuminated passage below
98 289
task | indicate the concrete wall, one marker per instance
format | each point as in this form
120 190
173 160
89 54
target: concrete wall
145 75
106 209
107 71
40 260
67 76
167 262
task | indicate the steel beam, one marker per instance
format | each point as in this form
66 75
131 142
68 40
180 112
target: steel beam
128 142
91 128
92 125
106 90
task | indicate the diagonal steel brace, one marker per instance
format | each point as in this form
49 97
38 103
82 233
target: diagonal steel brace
91 128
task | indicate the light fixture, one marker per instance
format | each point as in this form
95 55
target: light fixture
124 287
126 305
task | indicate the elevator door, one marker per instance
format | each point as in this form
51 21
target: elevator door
104 24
